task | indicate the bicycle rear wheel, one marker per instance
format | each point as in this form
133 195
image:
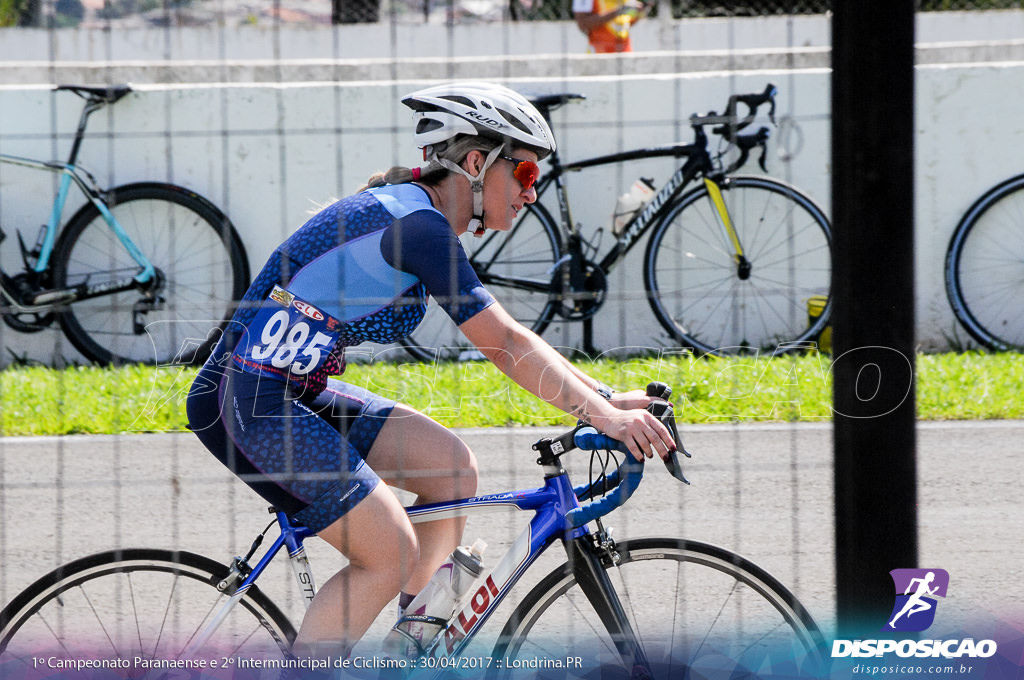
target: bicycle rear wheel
518 270
712 614
124 604
707 301
985 268
202 270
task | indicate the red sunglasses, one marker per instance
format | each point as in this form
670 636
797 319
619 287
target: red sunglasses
526 172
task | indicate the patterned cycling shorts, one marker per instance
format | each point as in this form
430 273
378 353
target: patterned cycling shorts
306 457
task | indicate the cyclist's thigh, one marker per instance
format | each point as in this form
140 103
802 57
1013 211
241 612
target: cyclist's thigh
300 447
375 534
418 454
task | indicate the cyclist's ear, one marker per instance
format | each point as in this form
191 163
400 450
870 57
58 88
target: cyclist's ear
474 162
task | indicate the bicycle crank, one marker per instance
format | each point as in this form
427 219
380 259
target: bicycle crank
587 292
23 287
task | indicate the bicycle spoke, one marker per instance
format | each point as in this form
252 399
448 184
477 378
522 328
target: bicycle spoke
985 267
757 304
146 603
708 616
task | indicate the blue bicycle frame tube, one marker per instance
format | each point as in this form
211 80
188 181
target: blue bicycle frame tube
69 173
551 503
292 537
43 261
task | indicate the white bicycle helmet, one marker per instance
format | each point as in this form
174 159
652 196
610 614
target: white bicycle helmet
474 108
444 112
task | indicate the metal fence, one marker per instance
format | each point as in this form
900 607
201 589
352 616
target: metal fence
126 13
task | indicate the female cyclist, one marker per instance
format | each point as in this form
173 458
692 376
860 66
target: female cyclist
358 271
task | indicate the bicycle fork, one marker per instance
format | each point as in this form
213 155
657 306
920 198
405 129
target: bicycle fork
728 229
586 555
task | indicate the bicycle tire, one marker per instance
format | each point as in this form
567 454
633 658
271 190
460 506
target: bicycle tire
727 616
698 292
527 253
148 603
984 268
195 248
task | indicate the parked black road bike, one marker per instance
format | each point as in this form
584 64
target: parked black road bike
730 267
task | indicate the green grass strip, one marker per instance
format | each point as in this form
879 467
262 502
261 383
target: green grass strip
43 401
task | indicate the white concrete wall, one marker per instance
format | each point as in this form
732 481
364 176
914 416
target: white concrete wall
408 39
268 153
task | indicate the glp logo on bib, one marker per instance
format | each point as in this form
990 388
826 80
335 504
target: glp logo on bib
916 590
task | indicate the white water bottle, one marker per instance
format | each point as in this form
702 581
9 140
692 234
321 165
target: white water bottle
629 204
435 605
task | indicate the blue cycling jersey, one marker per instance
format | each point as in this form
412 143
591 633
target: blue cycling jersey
358 271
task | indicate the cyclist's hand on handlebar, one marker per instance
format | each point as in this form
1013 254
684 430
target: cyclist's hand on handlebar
642 433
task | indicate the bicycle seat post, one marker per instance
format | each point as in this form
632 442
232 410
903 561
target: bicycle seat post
90 107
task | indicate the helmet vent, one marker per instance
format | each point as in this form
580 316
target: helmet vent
465 101
514 121
427 125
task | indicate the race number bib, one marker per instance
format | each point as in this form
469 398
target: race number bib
290 335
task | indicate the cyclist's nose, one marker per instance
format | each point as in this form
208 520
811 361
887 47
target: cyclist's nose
530 195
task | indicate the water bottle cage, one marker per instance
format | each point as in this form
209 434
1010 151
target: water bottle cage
420 618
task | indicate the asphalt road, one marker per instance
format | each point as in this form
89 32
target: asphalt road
764 491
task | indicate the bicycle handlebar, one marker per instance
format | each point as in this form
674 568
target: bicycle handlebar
728 124
626 478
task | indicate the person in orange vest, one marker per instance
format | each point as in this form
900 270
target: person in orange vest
607 22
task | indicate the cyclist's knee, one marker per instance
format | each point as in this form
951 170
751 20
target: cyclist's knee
392 559
457 474
376 535
467 472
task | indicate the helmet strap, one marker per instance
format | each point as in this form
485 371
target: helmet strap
476 183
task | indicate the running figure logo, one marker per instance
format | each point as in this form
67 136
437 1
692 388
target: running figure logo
916 589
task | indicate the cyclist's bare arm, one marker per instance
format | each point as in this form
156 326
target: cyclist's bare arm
536 367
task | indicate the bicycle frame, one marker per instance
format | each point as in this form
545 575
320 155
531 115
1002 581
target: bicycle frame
72 174
549 503
698 162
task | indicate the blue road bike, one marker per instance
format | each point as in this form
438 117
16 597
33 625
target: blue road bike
653 607
140 273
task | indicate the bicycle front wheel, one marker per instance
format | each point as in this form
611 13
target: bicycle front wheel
201 268
985 268
709 300
517 268
693 608
136 604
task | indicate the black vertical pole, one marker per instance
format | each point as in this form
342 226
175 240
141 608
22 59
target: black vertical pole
873 318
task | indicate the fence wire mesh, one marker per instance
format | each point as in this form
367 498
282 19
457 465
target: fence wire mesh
127 13
273 122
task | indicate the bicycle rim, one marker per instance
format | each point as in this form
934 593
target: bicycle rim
985 268
704 298
135 605
200 261
517 268
713 614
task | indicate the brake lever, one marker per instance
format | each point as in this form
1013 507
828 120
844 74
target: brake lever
663 411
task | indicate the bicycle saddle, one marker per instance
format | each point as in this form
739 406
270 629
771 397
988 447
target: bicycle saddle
104 93
548 102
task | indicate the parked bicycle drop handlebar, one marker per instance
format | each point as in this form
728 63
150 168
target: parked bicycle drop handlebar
728 124
623 481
